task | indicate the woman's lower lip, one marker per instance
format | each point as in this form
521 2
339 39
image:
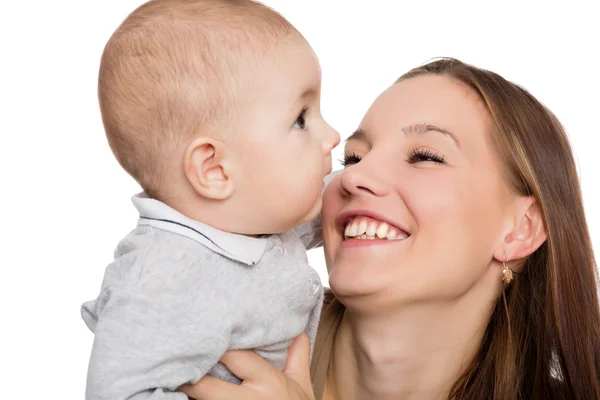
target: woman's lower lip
366 242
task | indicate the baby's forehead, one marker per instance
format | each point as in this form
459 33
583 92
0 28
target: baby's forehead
291 68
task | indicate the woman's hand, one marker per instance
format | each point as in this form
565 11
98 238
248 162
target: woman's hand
260 379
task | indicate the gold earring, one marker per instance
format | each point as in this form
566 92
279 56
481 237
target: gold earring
507 274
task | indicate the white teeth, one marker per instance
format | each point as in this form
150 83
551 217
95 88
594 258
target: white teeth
382 230
362 227
372 229
366 228
353 229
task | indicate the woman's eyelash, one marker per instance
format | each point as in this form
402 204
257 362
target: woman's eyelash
350 159
414 156
421 155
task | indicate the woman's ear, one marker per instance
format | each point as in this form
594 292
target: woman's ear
528 232
207 169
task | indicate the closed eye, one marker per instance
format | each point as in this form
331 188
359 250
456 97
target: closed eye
424 155
350 159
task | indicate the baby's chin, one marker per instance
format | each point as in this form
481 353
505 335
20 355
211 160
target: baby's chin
315 210
282 223
312 215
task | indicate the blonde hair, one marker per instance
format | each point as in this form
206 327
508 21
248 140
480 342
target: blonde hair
174 69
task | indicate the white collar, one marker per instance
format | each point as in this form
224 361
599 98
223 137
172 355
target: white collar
241 248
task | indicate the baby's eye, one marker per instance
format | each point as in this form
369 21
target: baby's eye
350 159
424 155
301 120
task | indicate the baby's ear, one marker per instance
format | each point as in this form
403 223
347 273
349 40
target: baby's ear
206 168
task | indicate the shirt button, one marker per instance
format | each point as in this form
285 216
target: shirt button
278 250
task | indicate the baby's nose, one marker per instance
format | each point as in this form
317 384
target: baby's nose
332 139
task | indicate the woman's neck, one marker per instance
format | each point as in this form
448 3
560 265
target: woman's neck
417 353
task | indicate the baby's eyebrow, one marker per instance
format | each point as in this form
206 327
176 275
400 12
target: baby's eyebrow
309 92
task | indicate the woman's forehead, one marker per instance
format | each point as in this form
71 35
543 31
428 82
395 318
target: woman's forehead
428 100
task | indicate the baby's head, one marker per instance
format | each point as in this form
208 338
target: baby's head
213 107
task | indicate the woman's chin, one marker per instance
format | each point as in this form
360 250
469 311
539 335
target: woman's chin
346 281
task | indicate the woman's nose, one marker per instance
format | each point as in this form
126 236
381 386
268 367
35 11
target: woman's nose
363 179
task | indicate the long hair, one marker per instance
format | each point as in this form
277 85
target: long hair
543 340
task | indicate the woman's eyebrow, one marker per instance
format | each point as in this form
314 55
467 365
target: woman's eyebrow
359 135
414 129
421 129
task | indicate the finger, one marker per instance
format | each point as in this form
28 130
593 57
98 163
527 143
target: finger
297 366
210 388
246 364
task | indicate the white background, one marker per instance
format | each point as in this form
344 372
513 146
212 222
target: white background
65 201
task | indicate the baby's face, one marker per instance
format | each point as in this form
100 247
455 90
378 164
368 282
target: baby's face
284 147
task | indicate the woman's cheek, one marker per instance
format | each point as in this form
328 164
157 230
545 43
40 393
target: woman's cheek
332 205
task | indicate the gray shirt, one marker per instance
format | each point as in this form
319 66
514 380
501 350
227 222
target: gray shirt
180 293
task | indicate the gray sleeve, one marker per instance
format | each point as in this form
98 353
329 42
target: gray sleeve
313 321
311 233
146 347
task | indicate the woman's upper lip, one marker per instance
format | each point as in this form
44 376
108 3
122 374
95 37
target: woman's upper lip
345 216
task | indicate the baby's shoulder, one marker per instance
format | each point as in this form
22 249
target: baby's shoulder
150 259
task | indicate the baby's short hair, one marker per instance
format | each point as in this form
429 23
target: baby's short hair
173 70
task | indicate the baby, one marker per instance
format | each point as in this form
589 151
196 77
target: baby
212 106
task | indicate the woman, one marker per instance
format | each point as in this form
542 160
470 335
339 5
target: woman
484 285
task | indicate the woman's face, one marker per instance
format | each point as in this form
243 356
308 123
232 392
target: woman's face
422 161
